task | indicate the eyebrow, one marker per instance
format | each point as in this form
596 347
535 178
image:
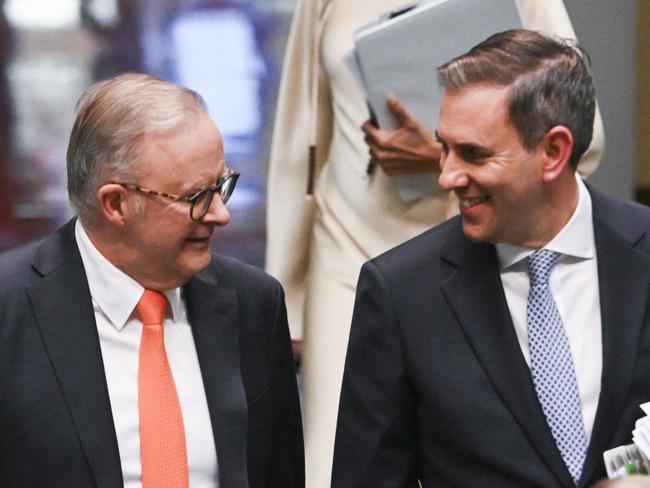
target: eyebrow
466 148
191 189
194 189
476 151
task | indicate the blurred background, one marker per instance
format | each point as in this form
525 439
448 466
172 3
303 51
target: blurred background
231 52
51 51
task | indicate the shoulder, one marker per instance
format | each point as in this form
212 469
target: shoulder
625 217
40 257
421 251
244 278
18 274
258 298
16 265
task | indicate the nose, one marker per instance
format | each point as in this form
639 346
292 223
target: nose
453 174
217 213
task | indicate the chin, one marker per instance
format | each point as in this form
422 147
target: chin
189 264
473 232
198 263
482 233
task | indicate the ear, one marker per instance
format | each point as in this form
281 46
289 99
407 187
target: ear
111 199
557 146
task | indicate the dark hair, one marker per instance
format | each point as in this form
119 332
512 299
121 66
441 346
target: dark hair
549 83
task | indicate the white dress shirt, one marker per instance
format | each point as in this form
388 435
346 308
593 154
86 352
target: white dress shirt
574 285
115 296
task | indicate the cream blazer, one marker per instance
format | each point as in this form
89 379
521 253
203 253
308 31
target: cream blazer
302 134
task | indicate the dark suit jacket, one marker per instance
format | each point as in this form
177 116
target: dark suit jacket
436 386
56 426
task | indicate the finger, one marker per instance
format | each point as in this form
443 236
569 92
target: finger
383 157
377 155
391 169
402 115
372 133
368 127
376 137
372 145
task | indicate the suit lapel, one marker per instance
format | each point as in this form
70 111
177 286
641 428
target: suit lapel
475 293
624 282
213 314
62 307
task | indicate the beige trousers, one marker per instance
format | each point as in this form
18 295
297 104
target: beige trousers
333 274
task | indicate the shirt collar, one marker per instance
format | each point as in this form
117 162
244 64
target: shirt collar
114 292
575 239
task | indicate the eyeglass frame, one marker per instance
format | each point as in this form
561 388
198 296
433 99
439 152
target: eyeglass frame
192 199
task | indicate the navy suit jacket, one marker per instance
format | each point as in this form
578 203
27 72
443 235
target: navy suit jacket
56 425
436 387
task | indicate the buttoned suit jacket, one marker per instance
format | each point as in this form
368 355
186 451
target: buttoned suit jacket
436 387
56 425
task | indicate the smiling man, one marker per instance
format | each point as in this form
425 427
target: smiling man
509 346
131 355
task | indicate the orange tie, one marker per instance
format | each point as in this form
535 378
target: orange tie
162 436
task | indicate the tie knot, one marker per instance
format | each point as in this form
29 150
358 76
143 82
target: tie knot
540 264
151 307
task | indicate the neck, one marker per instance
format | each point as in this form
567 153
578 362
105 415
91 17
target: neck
560 202
125 252
109 243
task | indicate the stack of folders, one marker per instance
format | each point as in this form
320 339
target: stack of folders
399 52
632 458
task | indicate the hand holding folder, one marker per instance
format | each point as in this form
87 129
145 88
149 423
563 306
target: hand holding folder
409 149
399 53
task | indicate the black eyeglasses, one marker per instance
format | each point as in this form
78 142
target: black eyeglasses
200 201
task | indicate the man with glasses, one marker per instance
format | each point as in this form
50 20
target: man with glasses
130 354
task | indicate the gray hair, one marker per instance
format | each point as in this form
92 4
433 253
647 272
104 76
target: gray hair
112 117
549 83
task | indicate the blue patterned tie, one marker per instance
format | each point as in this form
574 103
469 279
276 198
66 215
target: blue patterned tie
551 365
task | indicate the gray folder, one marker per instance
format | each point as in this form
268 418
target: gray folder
399 53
